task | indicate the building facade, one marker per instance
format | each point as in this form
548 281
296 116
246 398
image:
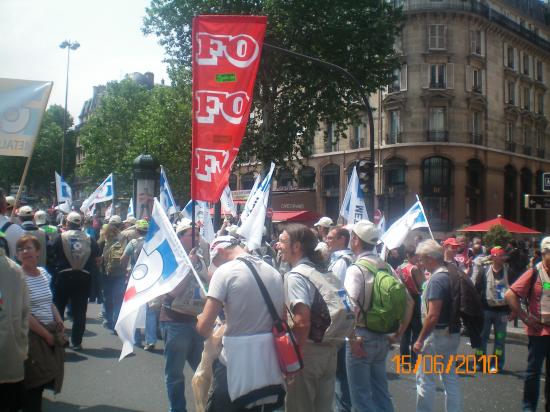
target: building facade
464 125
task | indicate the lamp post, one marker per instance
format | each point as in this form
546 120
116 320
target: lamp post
67 44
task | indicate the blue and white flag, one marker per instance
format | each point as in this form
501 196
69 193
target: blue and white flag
248 205
103 193
227 203
166 198
203 220
130 211
161 266
64 192
22 105
414 218
353 207
252 226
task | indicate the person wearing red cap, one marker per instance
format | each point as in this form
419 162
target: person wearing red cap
492 283
450 247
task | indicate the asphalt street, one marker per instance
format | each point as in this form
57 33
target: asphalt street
95 381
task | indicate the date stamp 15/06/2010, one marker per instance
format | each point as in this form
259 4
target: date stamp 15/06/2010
459 364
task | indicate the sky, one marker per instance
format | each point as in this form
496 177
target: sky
110 37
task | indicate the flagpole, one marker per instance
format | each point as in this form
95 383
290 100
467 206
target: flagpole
427 221
193 223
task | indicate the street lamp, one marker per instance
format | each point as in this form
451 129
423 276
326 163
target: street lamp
67 44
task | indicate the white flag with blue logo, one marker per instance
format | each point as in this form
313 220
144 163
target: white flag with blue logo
166 198
130 211
161 266
22 105
227 202
250 200
253 226
353 207
103 193
64 192
414 218
203 220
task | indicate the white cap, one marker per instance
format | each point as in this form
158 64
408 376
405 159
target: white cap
366 231
130 219
222 242
115 220
324 222
183 225
24 211
40 217
74 217
545 244
10 201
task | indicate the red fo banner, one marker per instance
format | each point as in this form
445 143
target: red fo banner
226 54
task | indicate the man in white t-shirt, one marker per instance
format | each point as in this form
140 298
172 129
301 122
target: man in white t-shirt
12 232
234 289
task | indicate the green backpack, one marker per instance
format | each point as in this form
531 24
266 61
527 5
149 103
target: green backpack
388 300
112 260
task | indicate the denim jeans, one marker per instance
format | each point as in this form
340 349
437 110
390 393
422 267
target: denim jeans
114 289
368 382
181 343
539 349
500 321
151 321
439 342
342 397
410 336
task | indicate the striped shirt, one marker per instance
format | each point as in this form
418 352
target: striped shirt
40 296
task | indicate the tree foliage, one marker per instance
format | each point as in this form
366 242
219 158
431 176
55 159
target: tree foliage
293 97
46 157
131 120
497 235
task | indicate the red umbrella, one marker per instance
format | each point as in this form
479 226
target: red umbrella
508 225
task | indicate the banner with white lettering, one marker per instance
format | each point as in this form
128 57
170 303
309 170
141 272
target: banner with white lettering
22 105
226 55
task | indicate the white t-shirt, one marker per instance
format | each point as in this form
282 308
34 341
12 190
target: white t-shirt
245 309
359 286
40 296
12 233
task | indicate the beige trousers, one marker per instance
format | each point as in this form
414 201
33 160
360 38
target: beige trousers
313 388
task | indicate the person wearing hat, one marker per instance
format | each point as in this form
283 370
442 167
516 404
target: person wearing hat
323 226
450 249
178 318
11 231
26 216
129 230
366 351
41 220
10 205
248 341
75 256
534 286
492 283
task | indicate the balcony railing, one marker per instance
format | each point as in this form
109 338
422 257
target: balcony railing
357 143
438 136
393 138
476 138
527 150
474 6
540 153
437 85
477 89
510 146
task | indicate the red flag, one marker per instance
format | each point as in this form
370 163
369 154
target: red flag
226 54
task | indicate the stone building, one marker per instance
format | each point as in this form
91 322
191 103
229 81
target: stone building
464 125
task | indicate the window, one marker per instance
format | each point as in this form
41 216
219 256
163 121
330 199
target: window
510 92
539 71
526 98
526 70
357 140
509 132
475 42
330 144
399 83
540 139
477 80
476 128
394 127
510 51
233 181
438 130
436 189
540 103
525 135
437 76
247 181
307 177
436 36
285 179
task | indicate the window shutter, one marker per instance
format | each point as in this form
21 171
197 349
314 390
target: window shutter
505 54
520 65
506 95
472 41
425 74
469 78
532 100
516 63
403 85
445 34
429 37
532 68
482 43
484 82
450 76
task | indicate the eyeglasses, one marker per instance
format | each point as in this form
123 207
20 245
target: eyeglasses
25 249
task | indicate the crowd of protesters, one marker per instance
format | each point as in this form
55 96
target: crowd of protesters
321 288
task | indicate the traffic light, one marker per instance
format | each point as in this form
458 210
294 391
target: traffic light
365 172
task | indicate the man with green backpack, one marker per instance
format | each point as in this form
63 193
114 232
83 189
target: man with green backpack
383 310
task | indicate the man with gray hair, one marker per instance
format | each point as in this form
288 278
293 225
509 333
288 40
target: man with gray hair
435 338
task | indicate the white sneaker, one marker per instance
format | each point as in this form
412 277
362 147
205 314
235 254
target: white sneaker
493 370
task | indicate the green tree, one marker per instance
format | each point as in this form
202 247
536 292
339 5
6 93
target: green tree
131 120
46 157
497 235
293 97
